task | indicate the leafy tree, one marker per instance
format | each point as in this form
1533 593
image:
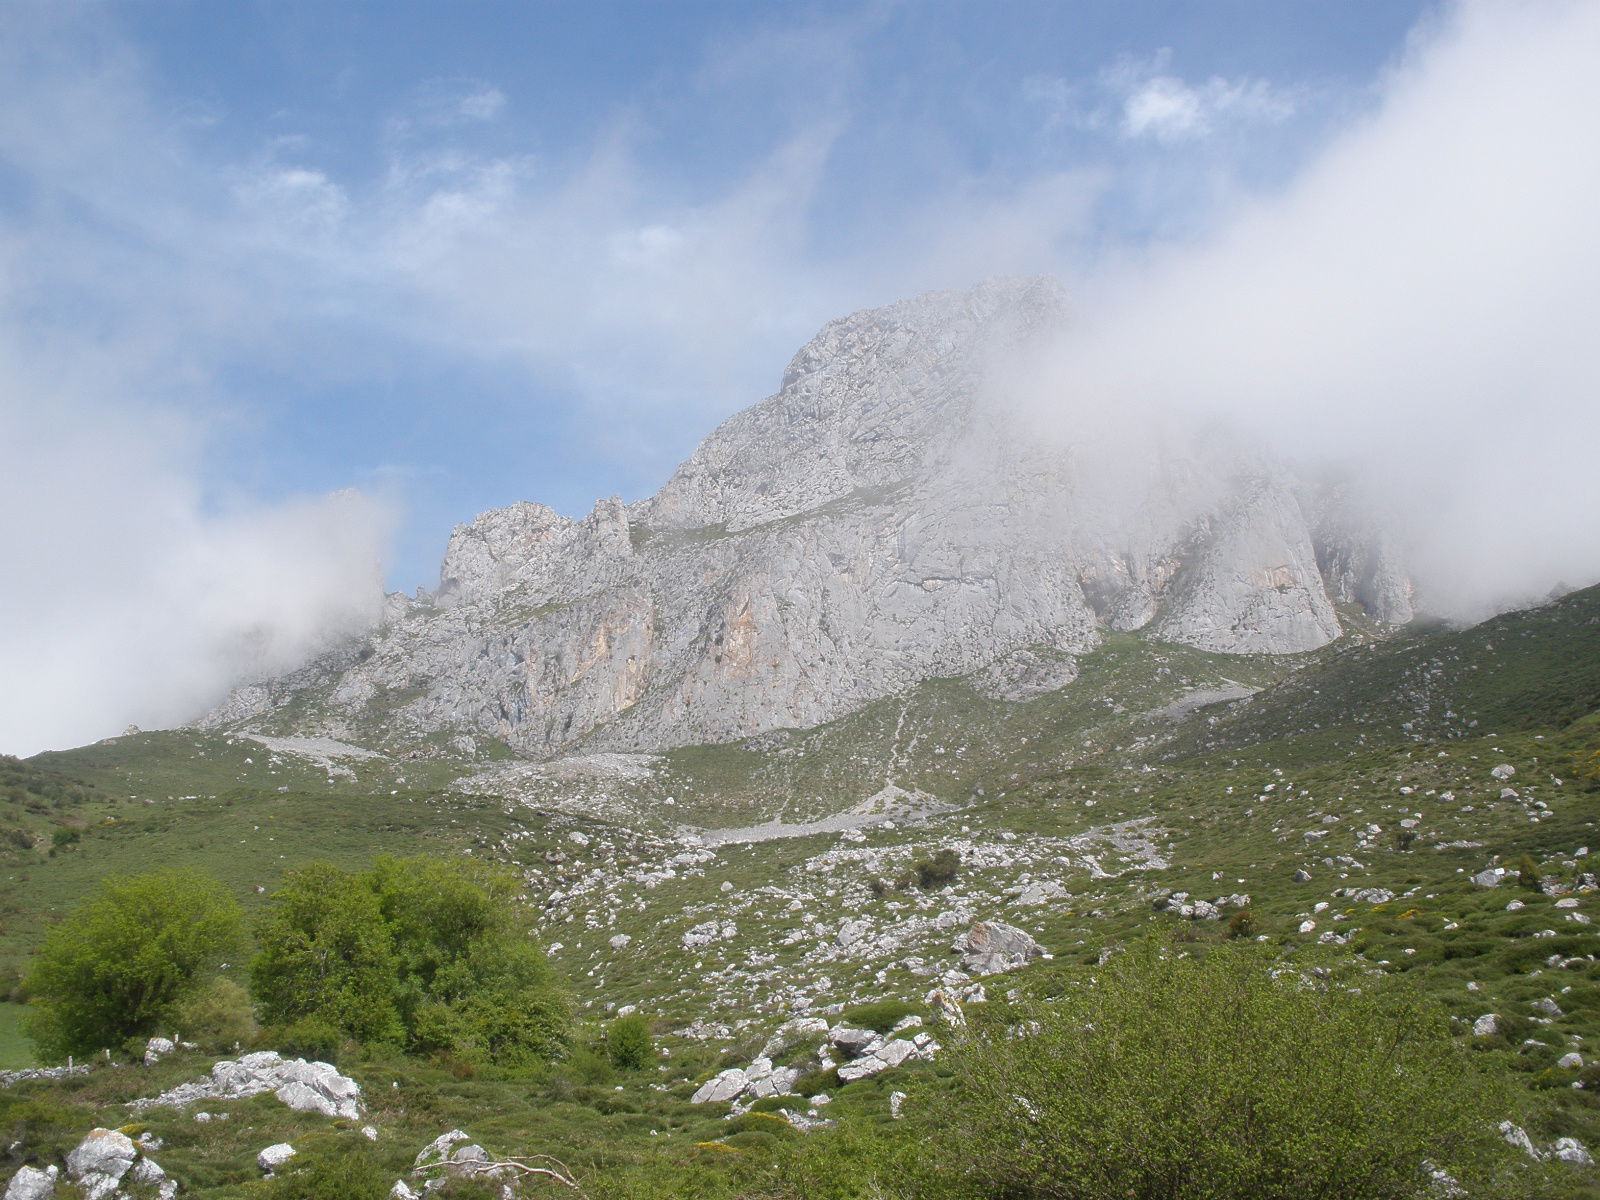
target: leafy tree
434 954
1174 1076
126 958
327 952
629 1045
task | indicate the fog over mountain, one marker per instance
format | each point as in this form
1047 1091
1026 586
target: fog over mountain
1411 316
1416 313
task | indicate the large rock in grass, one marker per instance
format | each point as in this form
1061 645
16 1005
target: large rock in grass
99 1162
30 1183
990 947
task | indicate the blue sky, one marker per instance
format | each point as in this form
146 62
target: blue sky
287 290
691 188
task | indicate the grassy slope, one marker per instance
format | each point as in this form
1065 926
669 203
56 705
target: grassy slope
1363 737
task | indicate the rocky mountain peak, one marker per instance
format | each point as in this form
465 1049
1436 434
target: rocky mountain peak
877 522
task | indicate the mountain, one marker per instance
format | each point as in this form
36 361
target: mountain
892 514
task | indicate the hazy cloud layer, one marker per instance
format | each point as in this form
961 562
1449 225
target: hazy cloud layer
128 597
1420 307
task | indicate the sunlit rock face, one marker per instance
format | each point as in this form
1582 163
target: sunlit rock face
891 515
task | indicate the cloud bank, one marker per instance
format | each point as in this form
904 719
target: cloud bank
1418 308
129 596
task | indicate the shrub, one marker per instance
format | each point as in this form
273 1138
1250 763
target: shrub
326 952
1528 874
1242 923
629 1045
880 1015
123 960
218 1016
433 954
1180 1077
937 871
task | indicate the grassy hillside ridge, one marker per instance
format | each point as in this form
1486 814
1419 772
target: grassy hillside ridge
1351 799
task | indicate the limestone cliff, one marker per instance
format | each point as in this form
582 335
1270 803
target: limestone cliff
877 522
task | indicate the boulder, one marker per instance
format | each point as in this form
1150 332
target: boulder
1487 879
854 1042
273 1157
1486 1025
30 1183
1571 1150
721 1087
156 1049
1517 1137
990 947
303 1086
99 1162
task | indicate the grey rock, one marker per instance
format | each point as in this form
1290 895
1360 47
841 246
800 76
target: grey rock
869 526
273 1157
1548 1007
722 1087
1486 1025
98 1163
1571 1150
854 1042
30 1183
156 1049
301 1085
1517 1137
1489 878
1302 875
990 947
1570 1061
1374 895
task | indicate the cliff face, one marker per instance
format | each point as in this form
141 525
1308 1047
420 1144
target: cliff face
877 522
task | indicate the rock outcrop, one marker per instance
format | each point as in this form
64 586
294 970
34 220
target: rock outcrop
883 519
301 1085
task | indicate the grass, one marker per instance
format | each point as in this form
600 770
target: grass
1345 745
16 1051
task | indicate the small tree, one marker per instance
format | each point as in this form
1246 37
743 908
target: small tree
327 953
1528 873
433 954
629 1045
937 871
124 959
1175 1076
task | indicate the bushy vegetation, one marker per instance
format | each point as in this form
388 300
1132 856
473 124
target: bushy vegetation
432 954
123 961
629 1044
1211 1076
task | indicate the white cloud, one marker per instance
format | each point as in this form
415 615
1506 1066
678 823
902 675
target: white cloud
1420 302
130 597
1141 97
482 103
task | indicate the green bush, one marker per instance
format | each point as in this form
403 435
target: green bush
432 954
36 1131
879 1015
629 1045
936 871
218 1016
1528 873
343 1171
124 959
1177 1076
